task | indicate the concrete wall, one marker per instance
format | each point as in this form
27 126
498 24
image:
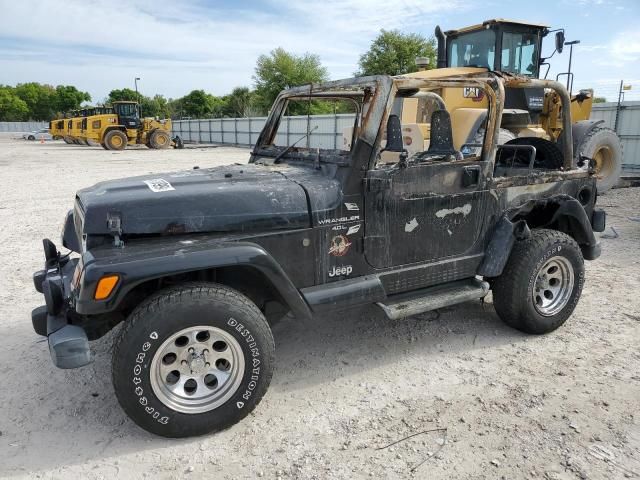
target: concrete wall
245 131
22 127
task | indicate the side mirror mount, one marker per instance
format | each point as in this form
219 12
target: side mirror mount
559 41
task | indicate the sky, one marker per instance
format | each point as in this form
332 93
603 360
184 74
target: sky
175 47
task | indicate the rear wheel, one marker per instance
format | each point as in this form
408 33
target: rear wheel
159 139
604 147
115 140
541 283
31 137
192 359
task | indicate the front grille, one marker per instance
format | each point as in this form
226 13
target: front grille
78 220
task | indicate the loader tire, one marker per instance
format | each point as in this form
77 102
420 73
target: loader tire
115 140
159 139
604 147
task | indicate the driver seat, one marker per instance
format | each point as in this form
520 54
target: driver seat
441 141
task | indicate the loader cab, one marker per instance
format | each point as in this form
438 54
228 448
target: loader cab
128 114
499 45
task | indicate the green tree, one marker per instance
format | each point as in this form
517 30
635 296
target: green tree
12 107
599 100
40 99
156 106
394 53
280 70
239 103
123 94
69 98
198 104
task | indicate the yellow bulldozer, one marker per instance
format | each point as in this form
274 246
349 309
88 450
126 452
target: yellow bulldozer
120 125
514 49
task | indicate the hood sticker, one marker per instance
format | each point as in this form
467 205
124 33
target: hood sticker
339 246
158 185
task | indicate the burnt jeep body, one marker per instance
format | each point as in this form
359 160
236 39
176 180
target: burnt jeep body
310 230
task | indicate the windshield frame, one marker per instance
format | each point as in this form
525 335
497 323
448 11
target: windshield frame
370 94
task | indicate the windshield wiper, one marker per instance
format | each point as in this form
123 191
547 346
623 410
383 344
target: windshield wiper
286 150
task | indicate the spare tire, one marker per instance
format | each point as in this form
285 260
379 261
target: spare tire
548 154
603 146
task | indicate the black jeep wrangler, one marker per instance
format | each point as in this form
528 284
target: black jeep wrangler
410 215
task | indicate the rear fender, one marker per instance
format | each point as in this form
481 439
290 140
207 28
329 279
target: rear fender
562 213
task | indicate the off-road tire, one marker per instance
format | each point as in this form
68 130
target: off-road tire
115 140
513 291
603 145
167 313
159 139
548 154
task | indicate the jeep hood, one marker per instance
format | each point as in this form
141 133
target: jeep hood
237 198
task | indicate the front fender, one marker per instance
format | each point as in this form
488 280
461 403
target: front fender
138 264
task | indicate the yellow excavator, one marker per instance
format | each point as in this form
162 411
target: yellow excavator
514 49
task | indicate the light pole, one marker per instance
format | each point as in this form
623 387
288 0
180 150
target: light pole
135 82
569 79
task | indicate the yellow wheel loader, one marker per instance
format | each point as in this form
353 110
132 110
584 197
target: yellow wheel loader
57 128
74 127
513 49
121 125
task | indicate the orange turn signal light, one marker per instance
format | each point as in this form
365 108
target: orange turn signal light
105 286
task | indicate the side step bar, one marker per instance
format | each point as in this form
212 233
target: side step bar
405 305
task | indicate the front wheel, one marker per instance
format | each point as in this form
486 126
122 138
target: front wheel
192 359
159 139
115 140
541 283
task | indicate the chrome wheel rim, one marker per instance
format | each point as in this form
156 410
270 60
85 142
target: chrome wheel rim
553 286
197 369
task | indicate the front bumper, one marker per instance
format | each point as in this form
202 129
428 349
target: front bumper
68 343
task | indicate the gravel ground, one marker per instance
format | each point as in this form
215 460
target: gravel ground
506 405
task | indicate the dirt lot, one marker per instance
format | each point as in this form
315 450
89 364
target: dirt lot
562 406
